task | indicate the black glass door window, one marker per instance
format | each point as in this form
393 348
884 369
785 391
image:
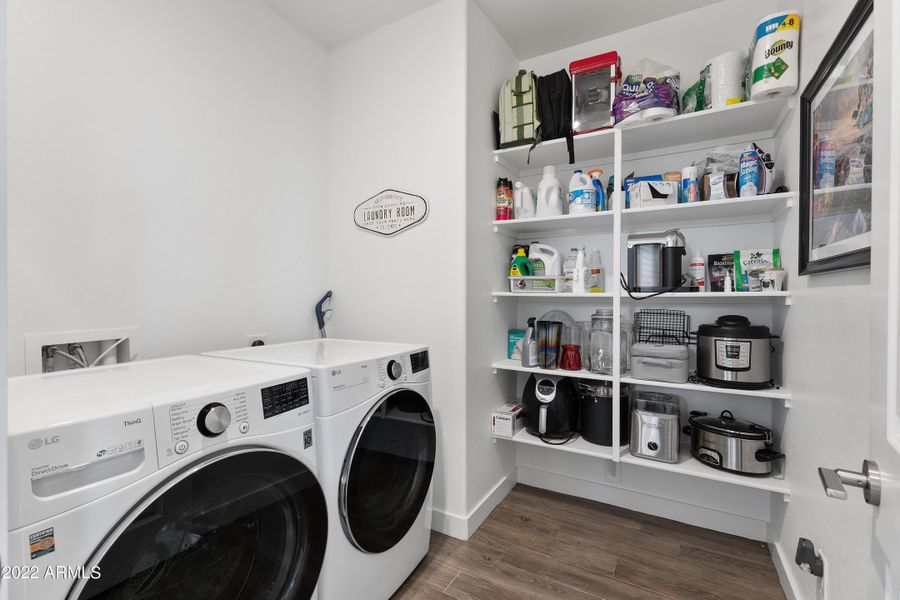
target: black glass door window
246 526
387 472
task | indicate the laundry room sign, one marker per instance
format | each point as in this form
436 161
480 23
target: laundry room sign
390 211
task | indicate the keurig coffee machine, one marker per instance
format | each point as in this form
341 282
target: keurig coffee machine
655 262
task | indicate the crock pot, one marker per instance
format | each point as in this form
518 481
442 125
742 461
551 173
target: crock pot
733 353
730 444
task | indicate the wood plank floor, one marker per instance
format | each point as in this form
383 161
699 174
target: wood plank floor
541 545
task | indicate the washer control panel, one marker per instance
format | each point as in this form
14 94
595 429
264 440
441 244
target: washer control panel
189 426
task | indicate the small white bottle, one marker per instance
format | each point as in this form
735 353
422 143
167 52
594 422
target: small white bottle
597 276
698 271
569 269
579 285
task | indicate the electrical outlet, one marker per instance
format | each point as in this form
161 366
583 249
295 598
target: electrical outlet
253 339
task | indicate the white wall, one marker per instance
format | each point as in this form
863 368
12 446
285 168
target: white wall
683 42
3 404
398 120
167 171
826 365
489 466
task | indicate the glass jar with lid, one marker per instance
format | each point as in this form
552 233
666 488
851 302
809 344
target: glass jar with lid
602 341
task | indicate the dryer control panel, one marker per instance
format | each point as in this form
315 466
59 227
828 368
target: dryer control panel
189 426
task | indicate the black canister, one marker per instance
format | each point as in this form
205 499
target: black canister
597 413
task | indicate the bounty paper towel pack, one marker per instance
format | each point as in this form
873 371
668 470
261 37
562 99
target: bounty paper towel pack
774 65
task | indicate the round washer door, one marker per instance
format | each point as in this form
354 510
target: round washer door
248 525
387 471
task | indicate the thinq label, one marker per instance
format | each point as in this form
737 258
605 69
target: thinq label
390 211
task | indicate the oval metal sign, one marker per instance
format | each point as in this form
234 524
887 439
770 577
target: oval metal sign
390 211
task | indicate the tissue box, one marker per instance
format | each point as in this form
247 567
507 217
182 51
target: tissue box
655 193
514 338
507 421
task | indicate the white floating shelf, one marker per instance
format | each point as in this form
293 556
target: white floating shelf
576 446
714 297
591 223
515 365
691 467
597 146
773 393
747 119
554 296
739 121
732 211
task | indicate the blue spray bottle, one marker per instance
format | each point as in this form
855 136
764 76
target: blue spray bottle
598 185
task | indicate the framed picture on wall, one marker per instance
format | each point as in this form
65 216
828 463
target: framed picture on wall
836 152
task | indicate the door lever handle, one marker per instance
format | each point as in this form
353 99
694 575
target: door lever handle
869 481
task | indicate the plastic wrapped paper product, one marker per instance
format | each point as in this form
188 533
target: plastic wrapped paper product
648 92
774 65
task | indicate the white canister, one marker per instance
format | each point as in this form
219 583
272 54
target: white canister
774 56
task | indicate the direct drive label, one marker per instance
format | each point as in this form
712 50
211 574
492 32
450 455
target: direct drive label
41 542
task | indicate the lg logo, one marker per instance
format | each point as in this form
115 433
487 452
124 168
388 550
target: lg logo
36 443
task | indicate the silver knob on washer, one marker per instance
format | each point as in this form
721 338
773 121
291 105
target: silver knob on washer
213 419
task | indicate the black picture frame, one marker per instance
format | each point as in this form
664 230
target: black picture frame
859 16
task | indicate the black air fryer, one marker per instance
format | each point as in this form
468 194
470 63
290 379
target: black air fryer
552 406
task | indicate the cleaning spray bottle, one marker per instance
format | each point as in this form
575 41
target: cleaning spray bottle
530 345
579 285
598 185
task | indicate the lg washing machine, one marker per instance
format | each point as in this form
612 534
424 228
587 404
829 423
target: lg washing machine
376 457
185 478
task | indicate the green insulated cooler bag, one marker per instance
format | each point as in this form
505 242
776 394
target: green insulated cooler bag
518 110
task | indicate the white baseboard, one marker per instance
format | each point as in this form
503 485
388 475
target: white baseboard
785 568
698 516
462 527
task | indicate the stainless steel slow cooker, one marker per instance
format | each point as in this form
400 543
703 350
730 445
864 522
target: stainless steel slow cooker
731 444
733 353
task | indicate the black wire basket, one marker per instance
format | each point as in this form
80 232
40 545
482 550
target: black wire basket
662 326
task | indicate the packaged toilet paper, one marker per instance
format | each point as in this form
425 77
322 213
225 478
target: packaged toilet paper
774 65
649 91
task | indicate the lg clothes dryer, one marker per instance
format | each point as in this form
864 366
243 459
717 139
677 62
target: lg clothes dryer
183 478
376 457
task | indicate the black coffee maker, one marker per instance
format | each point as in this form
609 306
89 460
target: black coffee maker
552 406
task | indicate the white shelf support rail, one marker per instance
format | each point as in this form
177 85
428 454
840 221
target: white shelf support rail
617 298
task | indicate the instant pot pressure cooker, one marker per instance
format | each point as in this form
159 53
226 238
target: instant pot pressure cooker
735 354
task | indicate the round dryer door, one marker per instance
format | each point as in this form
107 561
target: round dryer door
387 471
248 525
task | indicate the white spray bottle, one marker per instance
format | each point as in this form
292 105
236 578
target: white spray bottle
579 279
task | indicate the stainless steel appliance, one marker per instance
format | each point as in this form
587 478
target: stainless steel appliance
655 262
733 353
731 444
552 407
655 426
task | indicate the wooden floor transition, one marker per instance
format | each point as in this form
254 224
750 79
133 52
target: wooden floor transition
542 545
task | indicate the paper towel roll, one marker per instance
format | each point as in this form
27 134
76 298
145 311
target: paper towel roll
775 64
725 82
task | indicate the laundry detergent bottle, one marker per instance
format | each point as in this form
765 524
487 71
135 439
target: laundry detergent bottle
550 195
523 201
582 194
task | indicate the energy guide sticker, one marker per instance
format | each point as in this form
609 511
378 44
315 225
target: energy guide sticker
42 542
